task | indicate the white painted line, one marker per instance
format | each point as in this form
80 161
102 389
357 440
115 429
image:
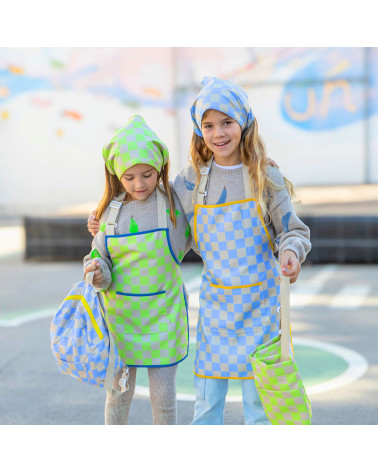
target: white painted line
350 297
194 284
33 316
357 366
304 291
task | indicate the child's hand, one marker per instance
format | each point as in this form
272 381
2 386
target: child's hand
92 224
271 162
290 265
95 267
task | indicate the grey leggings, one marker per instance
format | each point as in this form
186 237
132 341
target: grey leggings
162 383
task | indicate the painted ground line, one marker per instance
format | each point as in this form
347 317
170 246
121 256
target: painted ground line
357 366
350 297
25 318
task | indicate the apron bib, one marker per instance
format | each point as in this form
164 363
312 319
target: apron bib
239 296
146 309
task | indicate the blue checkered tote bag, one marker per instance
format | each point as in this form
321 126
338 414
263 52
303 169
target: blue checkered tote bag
80 340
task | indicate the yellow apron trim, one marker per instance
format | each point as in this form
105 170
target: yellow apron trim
236 286
263 225
291 340
228 203
213 206
195 224
231 203
88 310
223 378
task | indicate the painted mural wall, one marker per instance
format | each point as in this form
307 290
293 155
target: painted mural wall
316 109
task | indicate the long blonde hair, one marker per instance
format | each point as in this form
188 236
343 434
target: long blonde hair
253 154
114 187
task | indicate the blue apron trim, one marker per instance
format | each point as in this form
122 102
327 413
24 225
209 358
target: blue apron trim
140 294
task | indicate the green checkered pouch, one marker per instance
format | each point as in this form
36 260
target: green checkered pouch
276 374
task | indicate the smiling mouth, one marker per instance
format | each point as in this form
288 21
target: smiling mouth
222 144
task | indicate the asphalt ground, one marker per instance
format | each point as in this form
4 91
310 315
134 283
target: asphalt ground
333 305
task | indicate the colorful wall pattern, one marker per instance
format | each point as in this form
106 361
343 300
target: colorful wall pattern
316 108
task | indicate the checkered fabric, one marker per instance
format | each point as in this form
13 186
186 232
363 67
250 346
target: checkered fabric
280 386
80 343
224 96
145 304
134 143
239 297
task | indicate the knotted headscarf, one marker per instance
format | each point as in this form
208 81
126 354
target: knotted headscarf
224 96
134 143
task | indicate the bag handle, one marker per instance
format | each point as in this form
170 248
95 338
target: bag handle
285 317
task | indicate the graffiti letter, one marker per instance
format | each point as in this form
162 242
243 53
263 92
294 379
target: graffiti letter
297 116
329 87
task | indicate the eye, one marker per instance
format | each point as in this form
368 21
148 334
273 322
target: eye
148 176
206 126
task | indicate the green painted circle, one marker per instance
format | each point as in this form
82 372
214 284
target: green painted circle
315 365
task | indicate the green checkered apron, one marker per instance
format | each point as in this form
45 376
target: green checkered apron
145 304
277 378
239 296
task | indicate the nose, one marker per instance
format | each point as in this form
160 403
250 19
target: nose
139 184
218 131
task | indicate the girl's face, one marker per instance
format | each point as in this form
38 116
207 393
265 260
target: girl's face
222 135
140 181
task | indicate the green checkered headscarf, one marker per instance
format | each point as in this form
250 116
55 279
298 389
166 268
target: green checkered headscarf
134 143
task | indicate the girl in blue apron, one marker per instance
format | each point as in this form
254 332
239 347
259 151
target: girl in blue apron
136 259
240 213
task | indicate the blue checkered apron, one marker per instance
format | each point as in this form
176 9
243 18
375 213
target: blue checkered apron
239 296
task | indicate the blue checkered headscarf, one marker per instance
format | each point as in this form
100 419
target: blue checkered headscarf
224 96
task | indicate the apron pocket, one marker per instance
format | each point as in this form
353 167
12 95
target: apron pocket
233 309
141 314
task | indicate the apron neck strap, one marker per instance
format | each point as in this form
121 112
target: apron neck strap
202 186
115 206
161 210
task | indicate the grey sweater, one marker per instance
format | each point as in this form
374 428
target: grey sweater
225 185
144 216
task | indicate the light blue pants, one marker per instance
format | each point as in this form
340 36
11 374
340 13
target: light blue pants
211 398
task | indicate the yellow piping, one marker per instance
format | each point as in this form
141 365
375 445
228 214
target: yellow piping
232 203
263 225
88 310
240 286
233 378
228 203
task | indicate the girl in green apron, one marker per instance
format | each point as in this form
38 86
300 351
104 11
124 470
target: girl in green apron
136 259
240 213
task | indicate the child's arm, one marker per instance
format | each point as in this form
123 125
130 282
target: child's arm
93 225
291 234
98 261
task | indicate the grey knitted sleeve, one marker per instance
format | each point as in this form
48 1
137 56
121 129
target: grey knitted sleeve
289 231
